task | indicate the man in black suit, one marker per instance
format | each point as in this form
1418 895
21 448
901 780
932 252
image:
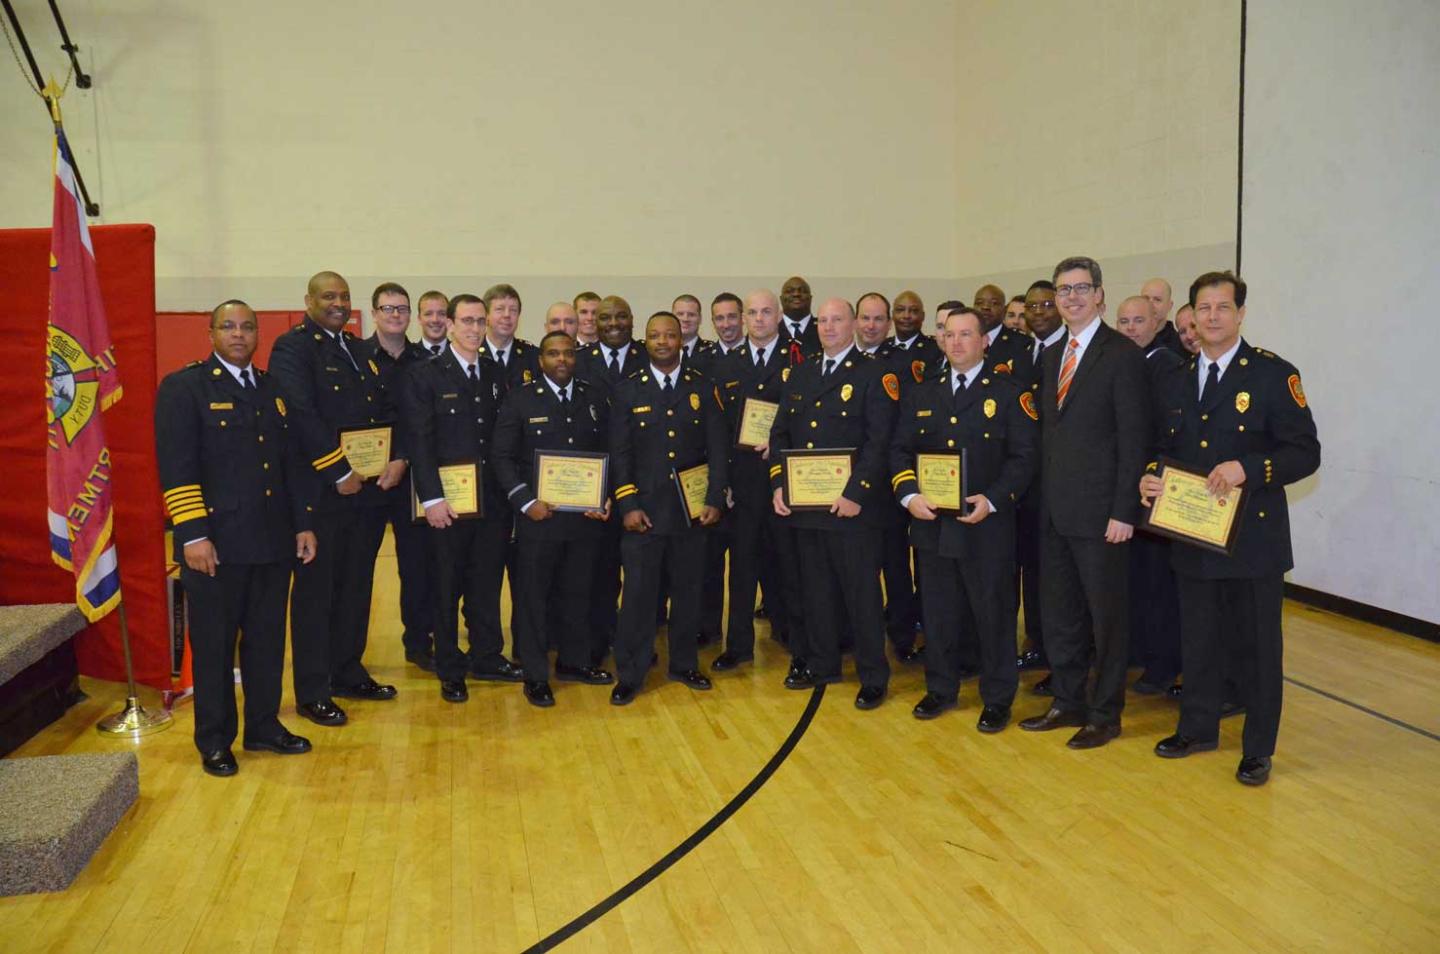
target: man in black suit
1154 602
1095 424
664 420
965 558
603 366
450 407
753 370
238 497
328 385
1244 422
797 330
557 413
839 399
395 354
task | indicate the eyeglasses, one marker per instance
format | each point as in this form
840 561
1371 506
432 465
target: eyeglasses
1035 307
402 310
1064 291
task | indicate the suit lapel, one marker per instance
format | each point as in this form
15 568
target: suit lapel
1094 354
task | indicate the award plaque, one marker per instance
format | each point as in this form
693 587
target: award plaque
942 481
367 449
1188 512
693 483
460 484
814 478
756 416
573 481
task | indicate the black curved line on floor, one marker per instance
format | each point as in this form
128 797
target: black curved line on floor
1365 709
704 831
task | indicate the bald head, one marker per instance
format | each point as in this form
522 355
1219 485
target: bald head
835 323
1136 320
614 321
1157 292
762 316
990 303
327 300
561 316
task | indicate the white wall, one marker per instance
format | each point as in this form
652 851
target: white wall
1341 240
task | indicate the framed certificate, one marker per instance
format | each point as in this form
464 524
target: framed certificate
460 484
367 449
756 416
571 481
813 478
693 483
1188 512
942 481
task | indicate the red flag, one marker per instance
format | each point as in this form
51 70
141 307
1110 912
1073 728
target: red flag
80 383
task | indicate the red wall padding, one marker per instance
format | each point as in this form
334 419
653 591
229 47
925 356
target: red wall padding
125 259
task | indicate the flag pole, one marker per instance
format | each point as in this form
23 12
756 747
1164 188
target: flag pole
134 720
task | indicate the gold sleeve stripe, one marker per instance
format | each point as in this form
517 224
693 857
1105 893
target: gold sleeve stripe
625 491
190 496
193 513
185 489
775 470
320 463
901 477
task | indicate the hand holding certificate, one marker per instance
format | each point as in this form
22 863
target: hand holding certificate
693 484
1185 509
942 481
815 479
367 449
756 417
573 481
460 484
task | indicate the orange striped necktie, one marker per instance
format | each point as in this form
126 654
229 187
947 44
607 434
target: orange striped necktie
1067 373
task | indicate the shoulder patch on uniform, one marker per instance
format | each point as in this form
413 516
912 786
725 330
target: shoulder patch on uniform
917 371
1296 391
1027 404
1004 368
892 386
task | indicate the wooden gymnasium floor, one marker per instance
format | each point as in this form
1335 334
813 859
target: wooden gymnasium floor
485 827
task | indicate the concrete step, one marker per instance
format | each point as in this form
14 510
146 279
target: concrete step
55 811
27 633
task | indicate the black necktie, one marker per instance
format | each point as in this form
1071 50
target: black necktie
470 371
829 366
1039 348
435 349
901 345
759 358
500 357
1212 381
245 381
959 384
564 399
615 362
794 329
667 388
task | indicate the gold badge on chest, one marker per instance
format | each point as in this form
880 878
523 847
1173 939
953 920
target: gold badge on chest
845 391
1242 401
694 401
990 407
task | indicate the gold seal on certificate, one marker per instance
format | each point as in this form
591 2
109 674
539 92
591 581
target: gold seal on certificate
367 449
756 416
815 478
1187 511
573 481
693 483
942 480
460 485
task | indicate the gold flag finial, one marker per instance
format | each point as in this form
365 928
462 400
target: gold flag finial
52 94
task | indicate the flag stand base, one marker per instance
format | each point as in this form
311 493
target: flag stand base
134 721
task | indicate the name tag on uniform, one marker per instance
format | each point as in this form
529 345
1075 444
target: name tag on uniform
221 406
923 413
641 409
732 384
453 394
539 420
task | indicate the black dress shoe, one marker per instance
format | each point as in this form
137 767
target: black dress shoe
693 678
931 705
915 654
324 712
1042 688
425 661
1029 660
1053 718
623 695
727 661
590 675
869 697
285 743
598 659
497 669
454 690
798 677
993 719
220 763
1228 709
1094 736
1176 691
1254 771
1178 746
539 694
369 689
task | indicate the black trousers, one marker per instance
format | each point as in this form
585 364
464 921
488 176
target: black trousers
957 593
785 606
842 594
605 589
1234 624
415 565
1027 575
644 555
718 541
902 608
248 601
752 557
469 565
1154 609
1085 585
554 578
330 602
